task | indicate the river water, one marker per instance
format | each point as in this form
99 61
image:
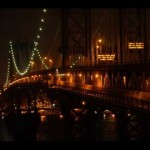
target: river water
52 128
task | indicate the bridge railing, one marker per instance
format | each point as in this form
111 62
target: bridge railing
124 100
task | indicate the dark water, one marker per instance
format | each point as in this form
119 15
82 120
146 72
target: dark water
52 128
107 129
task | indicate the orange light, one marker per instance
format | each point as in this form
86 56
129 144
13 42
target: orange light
80 75
61 116
97 46
100 40
96 75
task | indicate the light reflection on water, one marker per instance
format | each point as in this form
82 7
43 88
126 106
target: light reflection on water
43 118
107 128
52 128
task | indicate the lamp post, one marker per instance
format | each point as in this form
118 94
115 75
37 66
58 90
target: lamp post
98 49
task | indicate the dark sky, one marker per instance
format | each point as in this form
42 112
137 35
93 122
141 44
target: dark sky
24 23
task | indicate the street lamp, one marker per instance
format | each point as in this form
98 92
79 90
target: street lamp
98 49
99 43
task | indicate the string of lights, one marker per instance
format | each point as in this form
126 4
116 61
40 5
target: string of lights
15 64
8 72
35 50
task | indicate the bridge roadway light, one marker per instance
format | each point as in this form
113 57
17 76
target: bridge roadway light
98 49
83 103
100 40
100 46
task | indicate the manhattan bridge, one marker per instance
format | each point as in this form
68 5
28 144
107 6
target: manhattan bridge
104 66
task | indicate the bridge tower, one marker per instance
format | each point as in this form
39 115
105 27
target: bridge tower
133 45
76 33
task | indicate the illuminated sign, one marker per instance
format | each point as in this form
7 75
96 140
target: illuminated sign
136 45
106 57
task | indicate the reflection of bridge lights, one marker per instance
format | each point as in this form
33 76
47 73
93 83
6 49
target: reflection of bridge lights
43 118
68 74
44 10
100 40
38 36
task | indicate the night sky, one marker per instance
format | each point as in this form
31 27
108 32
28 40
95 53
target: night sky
23 24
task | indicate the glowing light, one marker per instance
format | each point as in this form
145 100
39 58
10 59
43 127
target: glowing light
136 45
97 46
38 36
95 112
43 118
106 57
44 10
83 103
80 75
68 74
96 75
61 116
14 61
100 40
42 20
